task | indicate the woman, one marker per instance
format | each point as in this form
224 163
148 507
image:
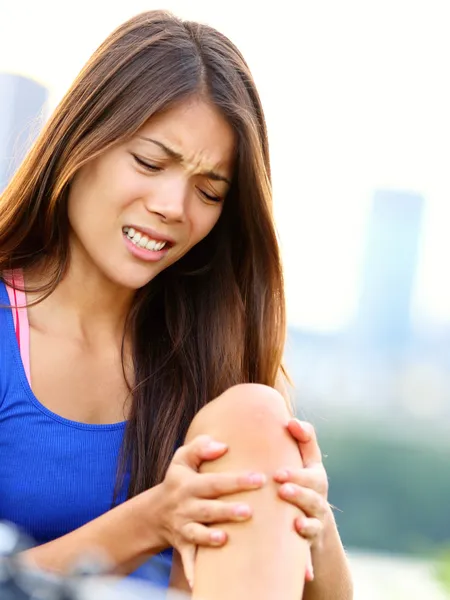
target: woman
140 229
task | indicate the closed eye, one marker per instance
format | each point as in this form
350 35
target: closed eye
146 165
209 197
155 169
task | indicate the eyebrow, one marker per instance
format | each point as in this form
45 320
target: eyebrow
177 156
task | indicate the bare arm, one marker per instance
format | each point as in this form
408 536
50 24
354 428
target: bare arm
168 514
121 535
332 577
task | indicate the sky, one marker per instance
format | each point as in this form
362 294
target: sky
356 96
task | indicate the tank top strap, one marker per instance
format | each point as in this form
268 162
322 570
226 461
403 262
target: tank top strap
18 301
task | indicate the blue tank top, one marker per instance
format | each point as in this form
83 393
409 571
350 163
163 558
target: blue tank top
55 474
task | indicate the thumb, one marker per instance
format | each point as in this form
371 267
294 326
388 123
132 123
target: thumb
300 430
201 448
305 435
188 559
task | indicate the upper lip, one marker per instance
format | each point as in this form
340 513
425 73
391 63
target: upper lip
154 235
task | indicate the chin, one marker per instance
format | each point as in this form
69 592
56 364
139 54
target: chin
132 278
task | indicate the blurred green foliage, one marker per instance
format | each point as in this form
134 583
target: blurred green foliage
443 567
394 494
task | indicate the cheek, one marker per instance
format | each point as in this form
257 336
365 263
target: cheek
125 189
100 197
205 222
79 202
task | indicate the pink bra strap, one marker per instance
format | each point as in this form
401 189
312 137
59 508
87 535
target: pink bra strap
16 312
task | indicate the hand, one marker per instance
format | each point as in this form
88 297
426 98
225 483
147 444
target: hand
306 488
189 500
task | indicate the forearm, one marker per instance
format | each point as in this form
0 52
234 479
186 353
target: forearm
332 577
121 535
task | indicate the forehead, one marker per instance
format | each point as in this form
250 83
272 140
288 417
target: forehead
196 130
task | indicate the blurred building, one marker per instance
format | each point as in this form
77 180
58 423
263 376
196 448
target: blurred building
379 365
22 110
389 268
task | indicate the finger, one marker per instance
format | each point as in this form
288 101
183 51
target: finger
308 528
305 434
201 448
214 485
200 535
215 511
300 430
188 554
309 501
309 575
314 478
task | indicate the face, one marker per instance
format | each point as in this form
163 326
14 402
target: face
143 204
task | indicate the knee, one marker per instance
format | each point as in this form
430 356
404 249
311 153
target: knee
251 418
243 406
254 405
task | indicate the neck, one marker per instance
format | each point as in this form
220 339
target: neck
85 304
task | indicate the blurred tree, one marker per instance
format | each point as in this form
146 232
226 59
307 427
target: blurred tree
393 496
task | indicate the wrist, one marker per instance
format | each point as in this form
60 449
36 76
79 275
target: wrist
152 507
331 568
329 535
330 521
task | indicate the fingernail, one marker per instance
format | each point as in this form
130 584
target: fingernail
215 446
256 479
300 525
217 537
282 475
242 510
310 573
288 490
307 427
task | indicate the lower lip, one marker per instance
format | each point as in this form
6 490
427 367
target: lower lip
143 253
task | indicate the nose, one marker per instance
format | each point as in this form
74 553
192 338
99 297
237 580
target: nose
169 199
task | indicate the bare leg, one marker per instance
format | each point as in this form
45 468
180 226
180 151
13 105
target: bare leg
264 558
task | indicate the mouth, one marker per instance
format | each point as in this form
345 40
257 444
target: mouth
145 241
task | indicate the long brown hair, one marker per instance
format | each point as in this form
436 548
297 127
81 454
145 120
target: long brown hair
217 316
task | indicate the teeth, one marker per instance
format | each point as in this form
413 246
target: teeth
142 240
